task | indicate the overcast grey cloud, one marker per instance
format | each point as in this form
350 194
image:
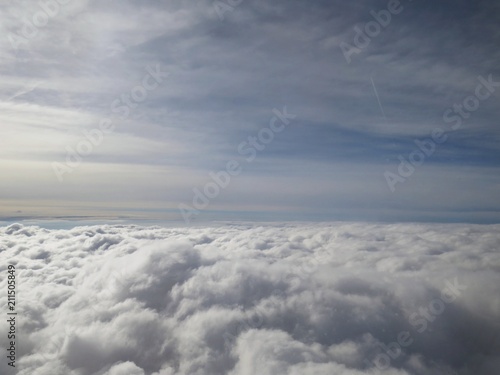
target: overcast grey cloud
67 63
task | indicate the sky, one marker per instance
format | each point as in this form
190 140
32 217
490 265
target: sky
250 110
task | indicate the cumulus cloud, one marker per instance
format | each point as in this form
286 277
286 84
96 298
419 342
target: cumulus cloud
62 78
250 299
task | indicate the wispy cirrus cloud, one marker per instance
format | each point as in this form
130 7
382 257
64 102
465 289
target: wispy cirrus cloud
224 77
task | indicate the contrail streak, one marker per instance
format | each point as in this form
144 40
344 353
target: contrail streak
378 99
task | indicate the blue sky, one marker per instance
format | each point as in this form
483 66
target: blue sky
216 82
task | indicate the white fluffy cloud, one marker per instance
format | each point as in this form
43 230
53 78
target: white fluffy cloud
247 299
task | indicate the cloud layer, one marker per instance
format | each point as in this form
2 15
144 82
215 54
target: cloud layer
251 299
